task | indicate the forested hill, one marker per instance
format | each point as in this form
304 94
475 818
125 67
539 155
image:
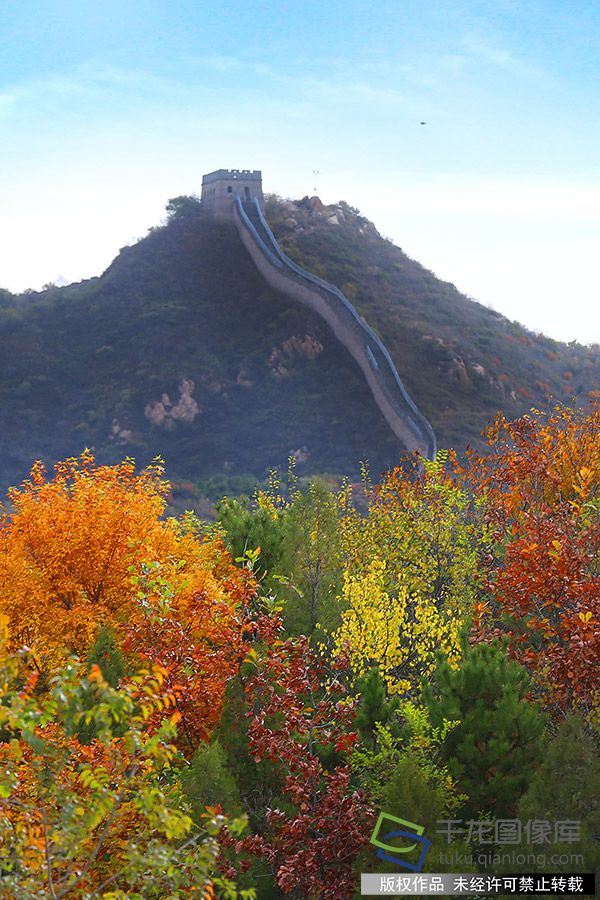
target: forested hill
181 349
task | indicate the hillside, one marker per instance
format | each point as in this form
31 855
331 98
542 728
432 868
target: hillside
181 349
460 360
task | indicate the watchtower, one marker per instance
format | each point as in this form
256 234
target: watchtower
219 189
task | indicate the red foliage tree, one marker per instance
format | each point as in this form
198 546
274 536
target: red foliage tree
200 642
541 484
298 720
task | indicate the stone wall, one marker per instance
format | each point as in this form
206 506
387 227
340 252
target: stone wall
403 417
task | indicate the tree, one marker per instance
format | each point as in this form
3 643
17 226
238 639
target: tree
299 540
208 783
105 818
497 741
250 526
571 765
67 548
105 654
410 575
199 641
74 545
297 721
86 555
373 708
311 558
410 794
541 484
184 206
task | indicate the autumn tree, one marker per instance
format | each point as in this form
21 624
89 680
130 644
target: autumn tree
410 577
541 485
67 548
74 542
200 640
298 722
104 818
88 565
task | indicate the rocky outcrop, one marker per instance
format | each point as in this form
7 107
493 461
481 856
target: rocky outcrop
164 413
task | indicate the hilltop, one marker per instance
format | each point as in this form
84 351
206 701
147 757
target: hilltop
181 349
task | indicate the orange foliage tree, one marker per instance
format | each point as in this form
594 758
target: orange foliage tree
88 548
72 541
541 482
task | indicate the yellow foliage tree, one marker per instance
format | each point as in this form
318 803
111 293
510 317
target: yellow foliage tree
410 580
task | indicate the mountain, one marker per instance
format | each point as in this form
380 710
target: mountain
181 349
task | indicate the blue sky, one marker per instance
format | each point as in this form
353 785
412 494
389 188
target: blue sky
109 108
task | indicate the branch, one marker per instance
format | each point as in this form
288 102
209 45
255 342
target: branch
47 851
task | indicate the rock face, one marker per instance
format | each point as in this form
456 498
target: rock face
281 359
458 370
313 204
164 414
121 435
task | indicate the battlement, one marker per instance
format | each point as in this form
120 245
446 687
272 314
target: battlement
221 187
232 175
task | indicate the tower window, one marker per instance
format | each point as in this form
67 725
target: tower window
229 189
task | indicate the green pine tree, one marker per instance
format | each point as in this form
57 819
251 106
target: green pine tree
412 796
374 708
493 750
566 787
257 784
207 782
248 526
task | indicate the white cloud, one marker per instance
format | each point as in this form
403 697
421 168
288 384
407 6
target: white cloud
218 63
486 50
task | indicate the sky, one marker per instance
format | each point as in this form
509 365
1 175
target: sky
108 109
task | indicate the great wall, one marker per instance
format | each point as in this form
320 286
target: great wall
237 195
